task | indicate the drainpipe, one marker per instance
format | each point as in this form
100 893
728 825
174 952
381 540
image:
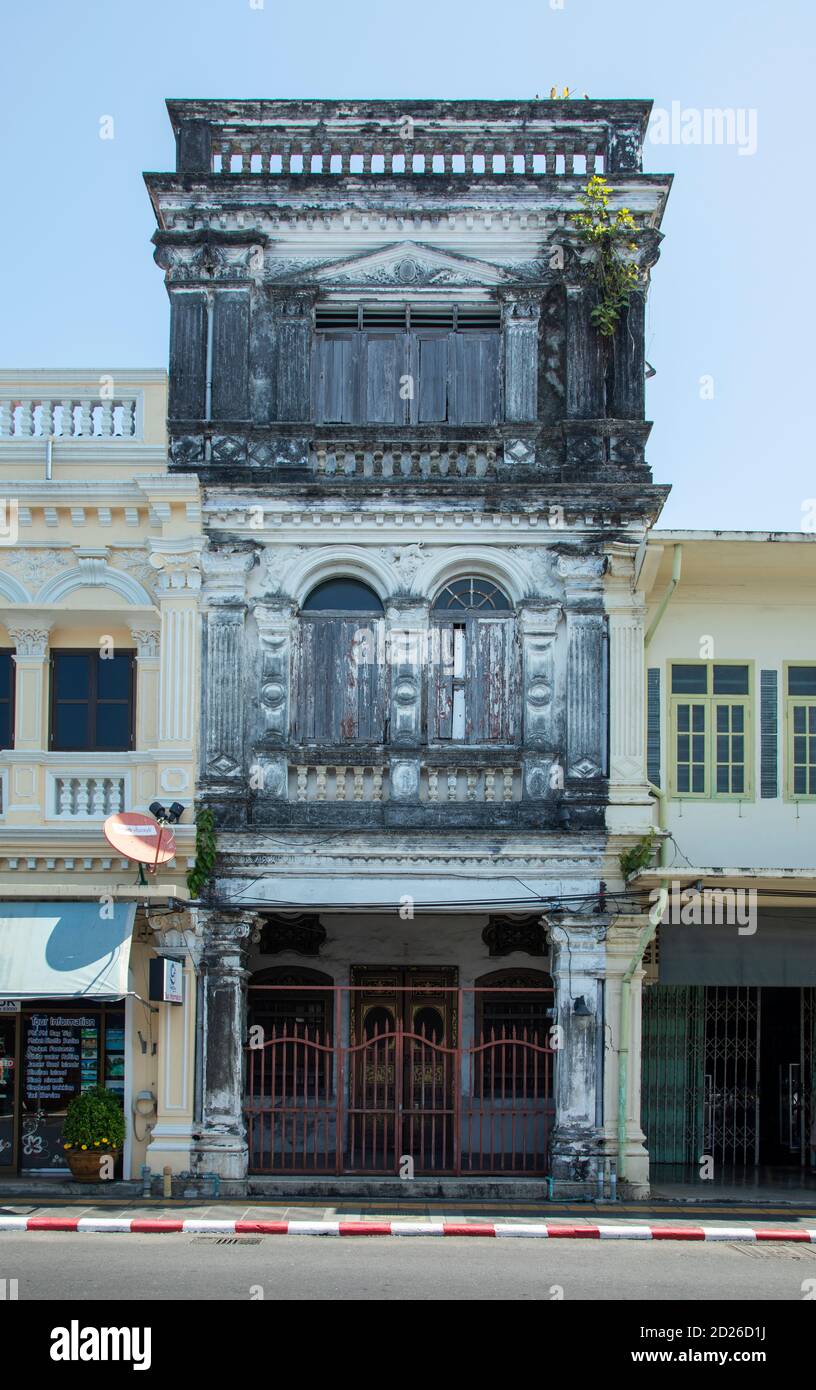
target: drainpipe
677 565
658 908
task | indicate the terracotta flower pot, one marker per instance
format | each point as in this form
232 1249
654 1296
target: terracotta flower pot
84 1163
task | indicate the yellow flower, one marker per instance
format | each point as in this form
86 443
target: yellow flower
66 1146
104 1140
96 1143
84 1146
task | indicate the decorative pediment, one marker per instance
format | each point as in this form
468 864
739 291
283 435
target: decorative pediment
407 264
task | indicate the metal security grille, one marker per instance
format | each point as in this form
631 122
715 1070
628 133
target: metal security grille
700 1065
401 1083
731 1059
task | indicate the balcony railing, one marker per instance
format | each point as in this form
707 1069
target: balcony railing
367 782
437 459
85 798
85 418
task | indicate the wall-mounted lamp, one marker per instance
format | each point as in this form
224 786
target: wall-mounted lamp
581 1008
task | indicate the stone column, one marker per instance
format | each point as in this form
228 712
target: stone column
28 787
542 699
586 666
30 638
521 315
225 602
147 682
179 587
221 1145
171 1139
276 622
630 809
577 967
407 646
585 358
622 943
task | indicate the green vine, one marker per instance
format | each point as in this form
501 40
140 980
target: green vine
614 277
205 852
638 856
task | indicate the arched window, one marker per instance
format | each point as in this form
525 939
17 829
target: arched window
474 663
340 667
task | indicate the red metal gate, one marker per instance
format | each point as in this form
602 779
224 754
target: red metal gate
392 1099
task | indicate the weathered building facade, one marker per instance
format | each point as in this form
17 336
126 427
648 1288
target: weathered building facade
420 461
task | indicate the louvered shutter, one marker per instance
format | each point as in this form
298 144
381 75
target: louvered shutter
442 680
768 734
653 725
188 356
230 355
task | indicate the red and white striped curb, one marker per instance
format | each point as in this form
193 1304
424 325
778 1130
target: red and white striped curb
542 1230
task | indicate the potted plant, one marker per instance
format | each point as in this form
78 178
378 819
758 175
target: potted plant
94 1126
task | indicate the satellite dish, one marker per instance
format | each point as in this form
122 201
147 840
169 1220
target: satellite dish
141 839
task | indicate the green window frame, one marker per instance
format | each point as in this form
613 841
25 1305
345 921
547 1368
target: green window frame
800 730
711 723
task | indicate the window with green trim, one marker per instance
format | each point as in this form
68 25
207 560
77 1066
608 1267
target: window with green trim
800 718
710 722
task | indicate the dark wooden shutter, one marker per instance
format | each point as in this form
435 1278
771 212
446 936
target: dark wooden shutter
491 680
384 357
653 725
188 356
230 355
476 378
431 352
768 734
336 371
341 685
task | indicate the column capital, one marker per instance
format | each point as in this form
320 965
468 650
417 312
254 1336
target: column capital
178 562
30 635
146 636
226 572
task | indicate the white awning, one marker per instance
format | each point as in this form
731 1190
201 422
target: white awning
67 950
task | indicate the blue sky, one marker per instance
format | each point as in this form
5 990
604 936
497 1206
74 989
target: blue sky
733 293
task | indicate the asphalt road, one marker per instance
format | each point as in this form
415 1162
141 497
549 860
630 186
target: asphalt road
180 1267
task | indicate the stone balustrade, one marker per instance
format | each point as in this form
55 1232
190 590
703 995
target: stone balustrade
86 417
437 459
324 782
85 798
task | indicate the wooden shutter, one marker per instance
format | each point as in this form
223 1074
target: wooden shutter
384 358
188 356
336 357
491 684
653 725
476 378
341 684
230 355
442 680
430 363
768 734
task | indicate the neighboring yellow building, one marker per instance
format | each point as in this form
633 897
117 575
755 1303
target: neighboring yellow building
99 638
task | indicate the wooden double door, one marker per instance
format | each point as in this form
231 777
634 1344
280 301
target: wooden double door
402 1069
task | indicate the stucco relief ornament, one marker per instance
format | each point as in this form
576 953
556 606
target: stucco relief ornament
587 568
36 566
405 560
277 563
135 562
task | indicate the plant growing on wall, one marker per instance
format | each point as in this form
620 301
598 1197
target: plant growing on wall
607 235
205 852
94 1120
638 856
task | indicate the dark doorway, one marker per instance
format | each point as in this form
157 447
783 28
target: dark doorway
782 1104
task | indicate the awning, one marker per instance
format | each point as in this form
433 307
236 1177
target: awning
356 893
64 950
